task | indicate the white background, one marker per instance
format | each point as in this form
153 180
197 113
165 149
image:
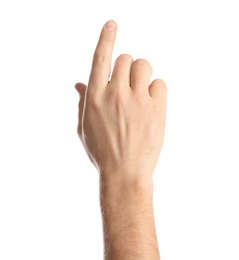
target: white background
49 205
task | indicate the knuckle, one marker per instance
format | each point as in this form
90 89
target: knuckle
125 57
100 58
143 63
163 85
93 102
108 37
117 98
140 99
116 94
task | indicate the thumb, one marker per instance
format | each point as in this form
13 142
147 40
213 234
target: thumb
81 88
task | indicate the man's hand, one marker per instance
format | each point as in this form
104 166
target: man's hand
121 121
121 125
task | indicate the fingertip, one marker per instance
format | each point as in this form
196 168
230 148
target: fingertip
111 26
80 87
77 87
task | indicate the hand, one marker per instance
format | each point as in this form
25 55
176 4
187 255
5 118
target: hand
121 121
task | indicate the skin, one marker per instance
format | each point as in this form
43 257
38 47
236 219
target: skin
121 126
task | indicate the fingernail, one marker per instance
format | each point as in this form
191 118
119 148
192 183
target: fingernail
110 26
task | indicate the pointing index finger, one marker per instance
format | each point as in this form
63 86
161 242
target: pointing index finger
101 64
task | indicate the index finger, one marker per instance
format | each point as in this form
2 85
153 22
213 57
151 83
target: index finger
101 64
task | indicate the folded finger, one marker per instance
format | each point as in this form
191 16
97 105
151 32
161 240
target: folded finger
141 72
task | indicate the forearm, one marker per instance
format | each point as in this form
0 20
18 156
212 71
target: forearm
128 219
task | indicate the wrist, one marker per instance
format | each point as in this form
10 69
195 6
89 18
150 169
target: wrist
127 179
124 193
